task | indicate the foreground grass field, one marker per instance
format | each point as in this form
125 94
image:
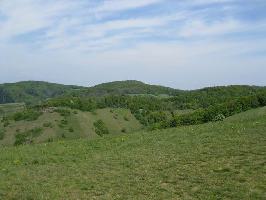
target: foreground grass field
225 160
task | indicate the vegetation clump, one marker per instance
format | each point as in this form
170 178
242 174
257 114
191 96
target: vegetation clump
5 121
71 130
63 112
2 134
27 115
48 125
27 136
226 109
218 118
100 128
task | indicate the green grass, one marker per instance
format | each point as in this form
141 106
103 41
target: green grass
224 160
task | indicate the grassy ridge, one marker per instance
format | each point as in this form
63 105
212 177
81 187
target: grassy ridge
75 125
224 160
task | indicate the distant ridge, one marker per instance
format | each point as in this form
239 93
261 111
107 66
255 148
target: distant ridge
31 92
130 87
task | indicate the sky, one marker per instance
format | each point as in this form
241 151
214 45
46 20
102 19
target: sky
185 44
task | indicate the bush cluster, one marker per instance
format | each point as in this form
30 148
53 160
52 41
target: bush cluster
100 128
84 104
220 111
2 134
27 136
28 115
63 112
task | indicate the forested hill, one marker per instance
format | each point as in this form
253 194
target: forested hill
32 91
130 87
35 91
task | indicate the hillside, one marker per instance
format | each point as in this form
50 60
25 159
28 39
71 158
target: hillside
32 91
224 160
66 124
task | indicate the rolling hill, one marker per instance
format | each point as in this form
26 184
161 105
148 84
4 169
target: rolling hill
223 160
33 92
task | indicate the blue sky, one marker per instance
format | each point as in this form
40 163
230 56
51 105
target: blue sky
184 44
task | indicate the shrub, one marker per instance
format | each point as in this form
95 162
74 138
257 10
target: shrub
100 128
20 139
71 129
64 122
123 130
63 112
126 118
219 117
2 134
28 115
75 112
27 136
48 125
262 99
6 123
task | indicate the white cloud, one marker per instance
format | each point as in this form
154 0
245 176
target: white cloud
118 5
201 28
24 16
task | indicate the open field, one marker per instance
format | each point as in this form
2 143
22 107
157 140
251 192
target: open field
224 160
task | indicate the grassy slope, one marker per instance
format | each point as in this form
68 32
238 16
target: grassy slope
6 109
82 124
224 160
